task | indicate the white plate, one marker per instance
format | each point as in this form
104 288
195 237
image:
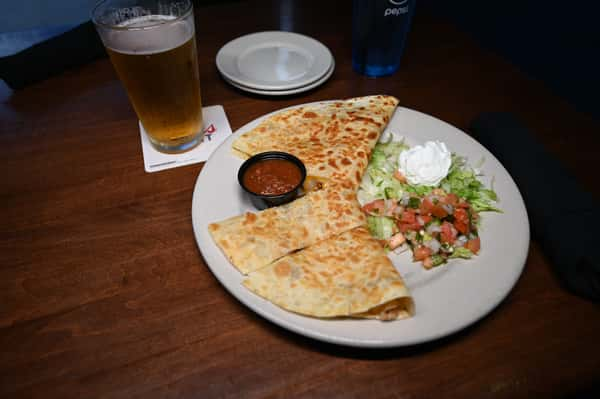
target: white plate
274 60
447 299
289 91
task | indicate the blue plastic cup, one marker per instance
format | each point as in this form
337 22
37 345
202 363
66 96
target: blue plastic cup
379 33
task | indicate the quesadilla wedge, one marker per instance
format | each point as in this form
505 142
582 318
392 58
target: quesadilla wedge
333 139
253 240
348 275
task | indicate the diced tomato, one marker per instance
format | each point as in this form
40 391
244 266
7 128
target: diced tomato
426 219
428 262
421 252
426 206
473 245
461 227
376 207
461 220
439 211
461 214
463 204
404 227
408 216
399 176
450 199
448 233
396 240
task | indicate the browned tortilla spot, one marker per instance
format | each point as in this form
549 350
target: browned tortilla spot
283 269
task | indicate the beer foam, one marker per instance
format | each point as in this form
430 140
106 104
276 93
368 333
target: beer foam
149 34
146 21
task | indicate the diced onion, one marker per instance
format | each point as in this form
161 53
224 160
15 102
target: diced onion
433 228
389 204
434 245
448 208
405 199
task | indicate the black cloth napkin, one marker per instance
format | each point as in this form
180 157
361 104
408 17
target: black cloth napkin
73 48
564 218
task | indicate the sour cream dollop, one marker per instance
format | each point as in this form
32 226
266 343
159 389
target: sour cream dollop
425 164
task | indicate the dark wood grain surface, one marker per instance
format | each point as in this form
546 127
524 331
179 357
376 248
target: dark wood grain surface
104 293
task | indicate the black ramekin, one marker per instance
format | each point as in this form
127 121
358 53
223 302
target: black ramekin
266 201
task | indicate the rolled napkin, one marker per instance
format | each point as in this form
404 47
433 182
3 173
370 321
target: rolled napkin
70 49
564 217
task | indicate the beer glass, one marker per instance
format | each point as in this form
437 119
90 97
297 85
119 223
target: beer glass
152 46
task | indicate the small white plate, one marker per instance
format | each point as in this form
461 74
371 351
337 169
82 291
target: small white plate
447 298
274 60
289 91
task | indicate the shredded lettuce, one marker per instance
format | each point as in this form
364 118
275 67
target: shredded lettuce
461 252
379 181
437 260
421 191
462 181
381 227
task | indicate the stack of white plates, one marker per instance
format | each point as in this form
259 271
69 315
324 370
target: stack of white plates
275 63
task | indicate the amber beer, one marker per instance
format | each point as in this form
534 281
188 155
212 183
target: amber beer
155 58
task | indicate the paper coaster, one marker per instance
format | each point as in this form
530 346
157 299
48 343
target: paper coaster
216 130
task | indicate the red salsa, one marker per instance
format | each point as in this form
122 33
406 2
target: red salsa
272 177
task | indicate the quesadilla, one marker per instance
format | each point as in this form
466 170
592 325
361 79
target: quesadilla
314 256
253 240
333 139
348 275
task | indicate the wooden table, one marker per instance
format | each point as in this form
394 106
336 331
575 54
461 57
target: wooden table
104 292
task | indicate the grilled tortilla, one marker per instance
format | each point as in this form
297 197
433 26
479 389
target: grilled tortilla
254 240
348 275
333 139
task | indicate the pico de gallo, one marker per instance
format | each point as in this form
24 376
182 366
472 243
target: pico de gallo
437 223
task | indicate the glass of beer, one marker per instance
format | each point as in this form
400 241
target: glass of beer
152 46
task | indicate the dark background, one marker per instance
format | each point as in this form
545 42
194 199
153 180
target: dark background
555 42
